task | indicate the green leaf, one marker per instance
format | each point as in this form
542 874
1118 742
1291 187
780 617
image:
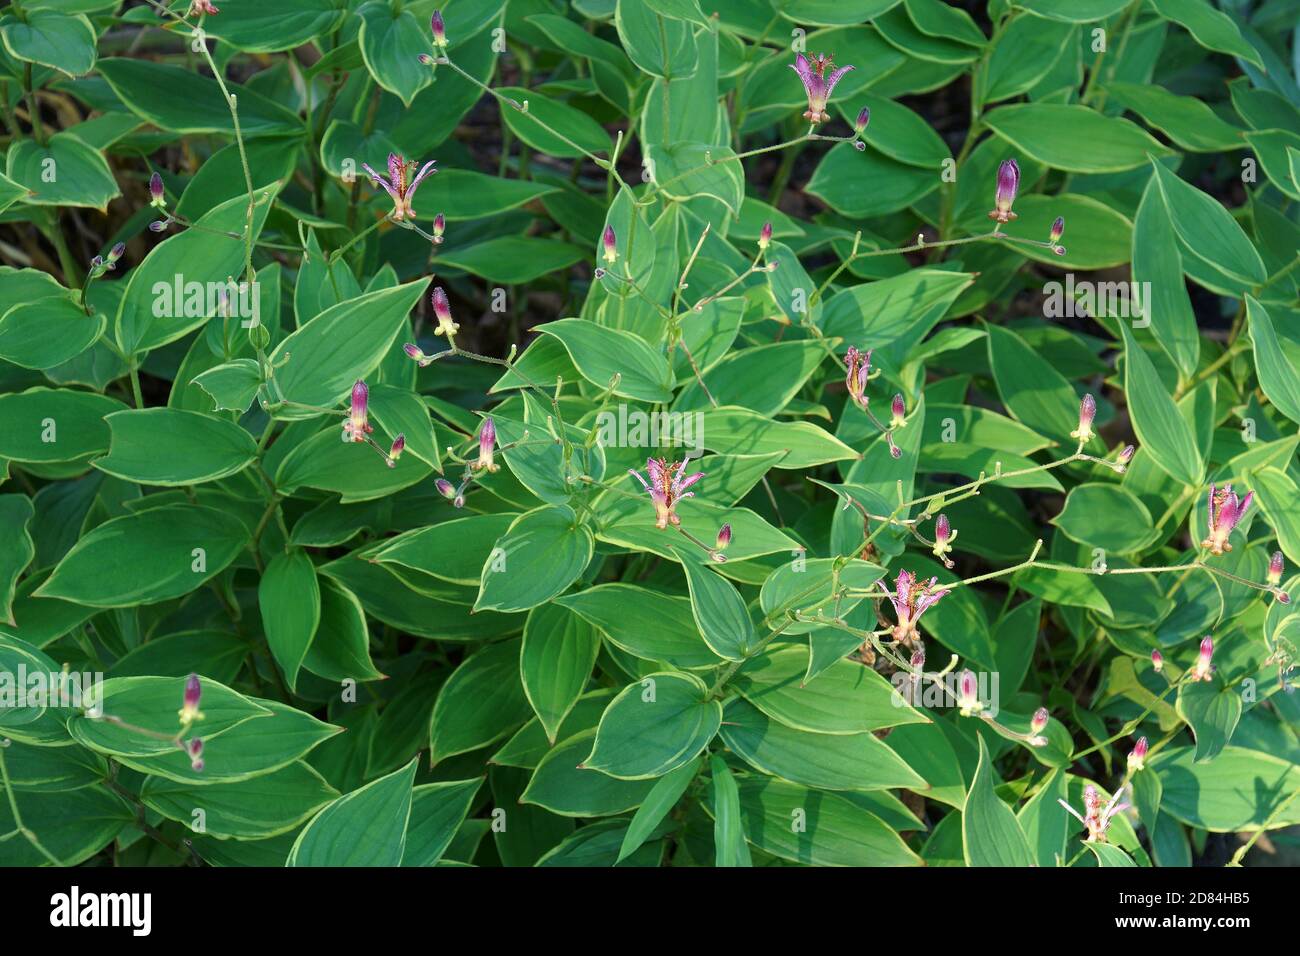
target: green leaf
48 332
658 804
660 47
645 623
1210 28
728 828
366 827
1074 11
341 648
482 701
256 27
654 726
1277 493
147 557
16 513
1024 53
1074 138
611 358
391 43
1110 855
358 473
719 610
1031 388
826 761
1208 232
288 597
167 446
256 809
1212 710
558 653
232 386
512 260
1161 430
451 550
1106 516
1189 122
1158 270
1239 789
318 364
437 811
558 130
63 172
683 171
561 786
62 41
1277 374
72 826
542 553
466 194
991 834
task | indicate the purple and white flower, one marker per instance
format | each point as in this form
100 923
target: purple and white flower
667 486
400 184
817 83
1225 511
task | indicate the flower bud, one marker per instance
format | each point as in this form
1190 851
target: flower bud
1204 668
968 701
445 488
1039 721
439 227
158 225
156 195
1275 569
394 453
116 253
487 439
943 537
1157 661
439 29
189 711
610 244
97 263
442 310
1058 229
195 750
724 538
898 411
1126 456
1137 758
765 236
1087 412
425 59
1008 185
864 117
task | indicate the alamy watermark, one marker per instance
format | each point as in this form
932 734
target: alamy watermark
38 688
633 428
1088 299
193 299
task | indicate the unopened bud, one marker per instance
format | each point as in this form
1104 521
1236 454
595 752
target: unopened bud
864 117
765 236
1138 756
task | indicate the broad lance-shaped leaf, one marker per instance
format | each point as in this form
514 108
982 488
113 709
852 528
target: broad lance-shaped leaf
1277 375
147 557
654 726
16 513
730 848
437 811
482 702
1212 710
542 554
1031 388
1162 432
289 598
318 363
168 446
1158 271
720 611
614 359
668 789
54 424
558 653
1239 789
246 810
1209 232
991 834
366 827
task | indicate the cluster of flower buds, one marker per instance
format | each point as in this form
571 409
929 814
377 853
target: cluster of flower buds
1096 818
449 491
400 184
101 264
1204 668
439 30
1224 512
910 601
667 486
943 538
1087 412
718 553
158 200
1137 758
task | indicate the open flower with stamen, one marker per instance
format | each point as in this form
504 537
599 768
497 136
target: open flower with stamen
817 83
1008 186
1225 511
859 368
667 486
356 427
1087 412
1137 758
400 184
1204 667
943 538
442 311
910 601
189 711
1096 818
968 700
487 441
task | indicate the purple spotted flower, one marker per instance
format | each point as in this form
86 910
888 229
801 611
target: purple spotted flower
667 486
400 184
1225 511
859 368
818 84
189 711
910 601
1096 817
357 424
1008 185
487 443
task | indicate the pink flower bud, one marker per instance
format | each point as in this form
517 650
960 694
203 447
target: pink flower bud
1039 721
439 227
1275 568
1138 756
156 196
610 243
445 488
1126 455
487 439
898 411
357 425
189 711
439 29
968 701
195 750
1008 186
942 529
442 310
765 236
864 117
116 253
1087 412
1204 668
1157 661
394 453
425 59
1058 229
724 538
